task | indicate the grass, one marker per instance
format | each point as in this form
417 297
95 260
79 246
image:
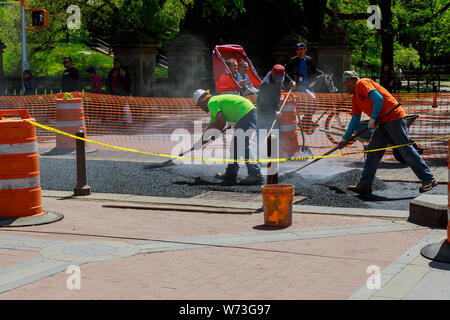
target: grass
49 64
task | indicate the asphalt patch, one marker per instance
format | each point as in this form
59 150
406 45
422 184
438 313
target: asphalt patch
186 181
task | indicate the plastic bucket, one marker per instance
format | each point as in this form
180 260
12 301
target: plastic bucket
277 204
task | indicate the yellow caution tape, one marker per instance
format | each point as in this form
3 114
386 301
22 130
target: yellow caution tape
226 160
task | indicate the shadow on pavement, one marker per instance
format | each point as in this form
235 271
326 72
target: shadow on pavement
375 198
268 228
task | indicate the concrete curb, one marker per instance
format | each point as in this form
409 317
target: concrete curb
196 202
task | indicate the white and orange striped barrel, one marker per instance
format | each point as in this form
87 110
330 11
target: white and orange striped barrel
70 119
20 189
289 144
448 194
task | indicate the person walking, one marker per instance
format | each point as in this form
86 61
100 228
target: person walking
374 100
70 80
387 78
96 82
28 83
398 78
241 111
113 77
303 70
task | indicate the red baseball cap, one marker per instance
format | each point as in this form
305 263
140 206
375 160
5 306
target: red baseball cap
278 72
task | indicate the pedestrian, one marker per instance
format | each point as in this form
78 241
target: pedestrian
123 87
387 78
28 83
96 82
398 78
375 101
241 111
268 100
113 77
303 70
70 80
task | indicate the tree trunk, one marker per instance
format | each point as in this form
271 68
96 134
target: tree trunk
387 34
314 12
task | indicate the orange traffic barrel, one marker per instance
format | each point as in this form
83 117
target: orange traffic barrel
69 118
289 144
20 189
441 251
278 204
448 194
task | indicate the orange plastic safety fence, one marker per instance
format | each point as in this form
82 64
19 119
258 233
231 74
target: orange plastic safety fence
330 114
158 125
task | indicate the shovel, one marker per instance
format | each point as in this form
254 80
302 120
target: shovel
274 121
289 173
170 163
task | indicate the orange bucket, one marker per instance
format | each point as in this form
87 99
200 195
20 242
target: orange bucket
277 204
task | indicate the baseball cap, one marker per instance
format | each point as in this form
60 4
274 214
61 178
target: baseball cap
349 75
301 45
278 72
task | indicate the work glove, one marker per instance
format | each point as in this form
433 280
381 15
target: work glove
342 143
292 84
371 124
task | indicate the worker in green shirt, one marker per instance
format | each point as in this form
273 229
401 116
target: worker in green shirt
241 111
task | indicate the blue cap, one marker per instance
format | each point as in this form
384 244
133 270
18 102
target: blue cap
301 45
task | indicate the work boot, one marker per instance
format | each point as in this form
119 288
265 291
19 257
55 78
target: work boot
427 186
360 189
251 180
228 182
220 175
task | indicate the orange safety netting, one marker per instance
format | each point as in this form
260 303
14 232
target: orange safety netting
155 120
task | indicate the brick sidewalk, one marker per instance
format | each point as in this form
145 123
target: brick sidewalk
322 257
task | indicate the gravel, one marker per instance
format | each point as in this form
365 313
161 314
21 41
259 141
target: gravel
187 181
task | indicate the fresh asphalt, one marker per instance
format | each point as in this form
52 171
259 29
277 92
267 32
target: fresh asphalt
185 181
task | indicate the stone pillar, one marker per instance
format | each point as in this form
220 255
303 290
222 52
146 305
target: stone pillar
141 61
190 66
334 59
334 51
286 48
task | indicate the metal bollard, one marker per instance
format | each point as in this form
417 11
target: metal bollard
272 167
82 189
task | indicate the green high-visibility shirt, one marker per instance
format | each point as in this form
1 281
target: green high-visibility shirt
233 107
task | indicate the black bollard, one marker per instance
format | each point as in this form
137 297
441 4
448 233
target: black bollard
272 167
82 188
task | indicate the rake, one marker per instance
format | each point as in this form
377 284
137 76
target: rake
170 162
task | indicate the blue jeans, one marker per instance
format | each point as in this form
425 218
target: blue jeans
245 123
397 132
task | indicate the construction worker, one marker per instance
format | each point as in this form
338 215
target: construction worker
269 94
232 108
374 100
